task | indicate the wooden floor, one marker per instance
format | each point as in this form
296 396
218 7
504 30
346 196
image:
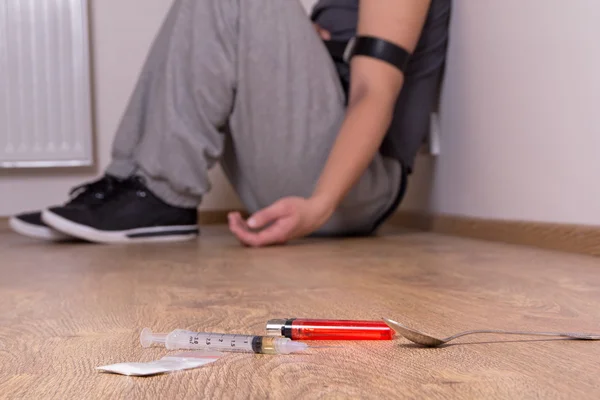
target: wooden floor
66 309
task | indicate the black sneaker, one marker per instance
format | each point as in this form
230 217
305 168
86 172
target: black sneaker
31 224
130 213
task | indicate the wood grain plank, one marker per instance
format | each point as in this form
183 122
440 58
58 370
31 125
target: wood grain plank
65 309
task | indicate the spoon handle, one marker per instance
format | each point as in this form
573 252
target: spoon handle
573 335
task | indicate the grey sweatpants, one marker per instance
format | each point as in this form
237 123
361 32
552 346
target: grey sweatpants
248 84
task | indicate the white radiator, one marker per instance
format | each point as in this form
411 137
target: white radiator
45 106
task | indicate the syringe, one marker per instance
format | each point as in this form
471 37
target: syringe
182 339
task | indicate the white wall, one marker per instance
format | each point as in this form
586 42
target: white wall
520 126
308 4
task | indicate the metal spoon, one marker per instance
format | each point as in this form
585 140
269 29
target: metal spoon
430 341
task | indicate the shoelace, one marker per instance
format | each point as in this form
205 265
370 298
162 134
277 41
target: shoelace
138 184
120 188
96 190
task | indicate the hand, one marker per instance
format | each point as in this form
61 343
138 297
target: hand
287 219
323 33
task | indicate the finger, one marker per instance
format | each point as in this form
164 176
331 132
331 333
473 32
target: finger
236 226
246 237
231 220
239 221
276 233
268 215
325 34
234 219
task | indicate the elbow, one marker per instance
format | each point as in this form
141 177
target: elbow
380 103
376 94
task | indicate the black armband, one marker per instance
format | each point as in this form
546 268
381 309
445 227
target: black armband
379 49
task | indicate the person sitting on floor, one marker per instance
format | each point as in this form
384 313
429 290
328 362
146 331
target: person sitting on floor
316 129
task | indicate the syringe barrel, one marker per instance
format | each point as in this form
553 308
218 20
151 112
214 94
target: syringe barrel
180 339
183 339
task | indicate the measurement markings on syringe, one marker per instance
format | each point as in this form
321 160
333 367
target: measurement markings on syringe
209 340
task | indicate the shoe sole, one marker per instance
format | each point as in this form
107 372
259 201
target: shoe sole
138 235
37 232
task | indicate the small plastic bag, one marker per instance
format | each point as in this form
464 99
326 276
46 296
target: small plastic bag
169 363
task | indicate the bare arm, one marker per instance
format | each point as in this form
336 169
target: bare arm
374 89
